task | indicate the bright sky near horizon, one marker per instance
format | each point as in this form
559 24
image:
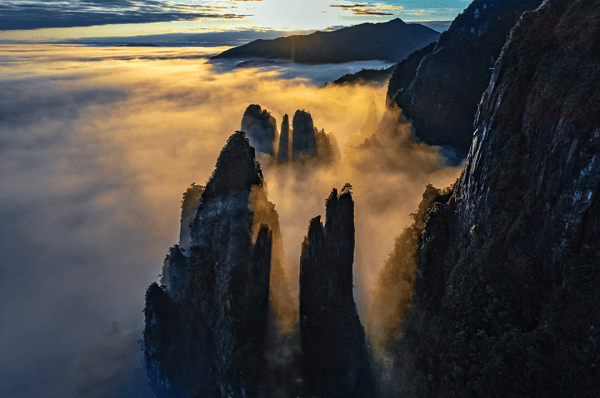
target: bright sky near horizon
60 19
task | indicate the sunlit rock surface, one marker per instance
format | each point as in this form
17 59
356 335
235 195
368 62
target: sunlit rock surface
335 360
440 92
506 296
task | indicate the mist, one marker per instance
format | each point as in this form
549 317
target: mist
97 147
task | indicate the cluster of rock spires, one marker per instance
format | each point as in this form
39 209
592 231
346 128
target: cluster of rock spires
505 298
223 323
303 143
502 268
439 87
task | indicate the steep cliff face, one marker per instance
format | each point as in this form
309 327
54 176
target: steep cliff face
206 329
440 93
260 128
304 143
283 155
506 296
335 360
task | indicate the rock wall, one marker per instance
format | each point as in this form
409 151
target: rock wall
260 128
206 329
445 86
505 300
335 360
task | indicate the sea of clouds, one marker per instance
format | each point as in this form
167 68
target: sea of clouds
97 145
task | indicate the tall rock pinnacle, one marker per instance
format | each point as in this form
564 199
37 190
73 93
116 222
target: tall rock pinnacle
205 330
304 143
284 141
260 128
335 360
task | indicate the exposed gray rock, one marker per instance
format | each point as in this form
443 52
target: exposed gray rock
260 128
506 298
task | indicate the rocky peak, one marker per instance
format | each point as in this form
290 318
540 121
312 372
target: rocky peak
206 333
283 154
236 169
260 128
335 360
304 143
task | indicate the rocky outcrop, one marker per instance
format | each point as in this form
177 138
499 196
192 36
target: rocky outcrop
206 329
260 128
304 143
506 296
390 41
441 92
335 361
283 155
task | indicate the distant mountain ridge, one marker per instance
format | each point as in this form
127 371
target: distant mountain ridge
390 41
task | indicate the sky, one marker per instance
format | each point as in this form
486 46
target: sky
64 19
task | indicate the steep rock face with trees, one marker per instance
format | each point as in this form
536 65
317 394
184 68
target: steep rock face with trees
335 360
506 297
207 327
443 89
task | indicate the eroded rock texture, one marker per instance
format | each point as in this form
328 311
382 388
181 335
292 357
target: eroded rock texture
260 128
207 328
506 296
283 155
335 361
440 92
304 143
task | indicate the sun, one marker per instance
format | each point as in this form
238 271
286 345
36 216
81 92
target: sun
293 14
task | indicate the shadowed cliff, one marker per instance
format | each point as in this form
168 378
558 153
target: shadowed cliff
260 128
505 299
210 328
335 360
439 88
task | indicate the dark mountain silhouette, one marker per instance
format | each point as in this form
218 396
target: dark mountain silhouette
283 154
335 360
440 92
304 143
210 327
370 76
505 297
390 41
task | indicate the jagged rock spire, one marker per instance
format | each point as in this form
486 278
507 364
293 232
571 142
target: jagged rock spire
335 360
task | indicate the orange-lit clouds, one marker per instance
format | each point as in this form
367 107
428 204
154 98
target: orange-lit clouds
98 145
176 114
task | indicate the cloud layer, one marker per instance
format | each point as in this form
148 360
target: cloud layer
97 147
